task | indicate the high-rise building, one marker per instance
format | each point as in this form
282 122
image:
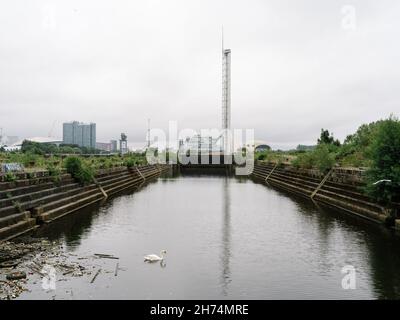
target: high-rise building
81 134
226 88
123 144
226 98
114 145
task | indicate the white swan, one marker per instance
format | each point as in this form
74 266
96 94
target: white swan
154 257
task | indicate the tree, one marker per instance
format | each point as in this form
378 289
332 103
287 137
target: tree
327 138
384 152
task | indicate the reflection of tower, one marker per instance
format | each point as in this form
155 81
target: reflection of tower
226 238
226 95
123 144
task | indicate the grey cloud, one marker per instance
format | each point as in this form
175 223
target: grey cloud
294 68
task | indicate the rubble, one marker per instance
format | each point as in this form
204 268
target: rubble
29 260
17 275
13 255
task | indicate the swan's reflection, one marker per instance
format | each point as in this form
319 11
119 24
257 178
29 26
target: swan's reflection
163 264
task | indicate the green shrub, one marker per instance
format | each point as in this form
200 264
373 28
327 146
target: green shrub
29 159
130 163
17 205
323 159
320 158
384 153
85 174
30 175
79 171
73 165
54 172
10 177
304 160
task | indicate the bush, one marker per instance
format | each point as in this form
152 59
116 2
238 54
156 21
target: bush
10 177
384 153
323 159
304 160
320 158
82 173
30 159
54 172
262 155
85 174
73 165
130 163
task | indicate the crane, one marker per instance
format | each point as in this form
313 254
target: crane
52 128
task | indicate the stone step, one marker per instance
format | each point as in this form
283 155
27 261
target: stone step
107 188
36 195
351 207
114 179
126 185
67 198
112 176
38 202
68 208
358 202
29 182
106 172
343 190
291 187
23 190
13 219
297 181
17 229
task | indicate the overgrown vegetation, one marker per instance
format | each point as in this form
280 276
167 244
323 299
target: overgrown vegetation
55 172
383 175
374 146
355 151
10 177
78 170
320 158
48 148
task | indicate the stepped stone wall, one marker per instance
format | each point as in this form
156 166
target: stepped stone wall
340 188
36 198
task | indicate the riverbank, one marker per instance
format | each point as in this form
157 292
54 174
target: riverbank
34 199
339 187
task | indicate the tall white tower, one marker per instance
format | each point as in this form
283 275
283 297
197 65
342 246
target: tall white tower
226 95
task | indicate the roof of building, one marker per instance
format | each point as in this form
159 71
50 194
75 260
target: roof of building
257 143
39 140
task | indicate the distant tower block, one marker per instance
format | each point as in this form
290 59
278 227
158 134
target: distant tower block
226 96
123 144
226 89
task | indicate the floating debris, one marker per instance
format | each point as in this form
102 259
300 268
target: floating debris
106 256
9 264
29 260
95 276
17 275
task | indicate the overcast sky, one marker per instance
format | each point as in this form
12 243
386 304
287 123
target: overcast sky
297 66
